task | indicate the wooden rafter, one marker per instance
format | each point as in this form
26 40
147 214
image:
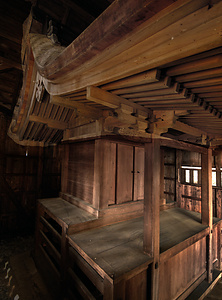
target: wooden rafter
49 122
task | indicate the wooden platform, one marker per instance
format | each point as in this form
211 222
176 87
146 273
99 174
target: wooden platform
118 248
66 212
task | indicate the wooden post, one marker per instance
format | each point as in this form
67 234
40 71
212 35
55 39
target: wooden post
65 171
178 192
152 210
40 171
113 290
162 198
206 206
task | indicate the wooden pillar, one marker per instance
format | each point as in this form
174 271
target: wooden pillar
152 210
65 170
40 171
162 197
206 206
114 290
178 187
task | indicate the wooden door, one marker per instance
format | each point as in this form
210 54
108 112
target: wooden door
138 192
124 184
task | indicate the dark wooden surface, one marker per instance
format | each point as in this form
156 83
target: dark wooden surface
118 248
81 170
68 213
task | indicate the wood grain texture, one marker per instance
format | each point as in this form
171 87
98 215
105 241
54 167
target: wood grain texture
81 170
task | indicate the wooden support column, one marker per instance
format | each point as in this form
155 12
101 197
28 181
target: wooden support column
40 171
162 197
206 206
152 210
178 179
65 171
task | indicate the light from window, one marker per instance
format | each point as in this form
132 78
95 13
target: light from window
187 176
214 179
195 176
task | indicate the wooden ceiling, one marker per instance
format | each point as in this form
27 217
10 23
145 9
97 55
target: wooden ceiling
152 67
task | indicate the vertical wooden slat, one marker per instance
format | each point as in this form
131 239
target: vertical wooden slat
104 174
152 210
206 205
138 174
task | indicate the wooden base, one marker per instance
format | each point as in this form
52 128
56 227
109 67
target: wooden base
81 250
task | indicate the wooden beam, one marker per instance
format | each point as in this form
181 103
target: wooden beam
203 83
175 89
182 145
152 210
108 99
163 84
201 75
138 79
195 66
137 53
188 129
82 109
49 122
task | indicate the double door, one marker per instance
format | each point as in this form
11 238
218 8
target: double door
129 173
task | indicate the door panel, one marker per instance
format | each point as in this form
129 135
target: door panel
124 173
138 174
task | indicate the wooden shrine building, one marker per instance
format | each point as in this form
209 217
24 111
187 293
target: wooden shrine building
133 102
